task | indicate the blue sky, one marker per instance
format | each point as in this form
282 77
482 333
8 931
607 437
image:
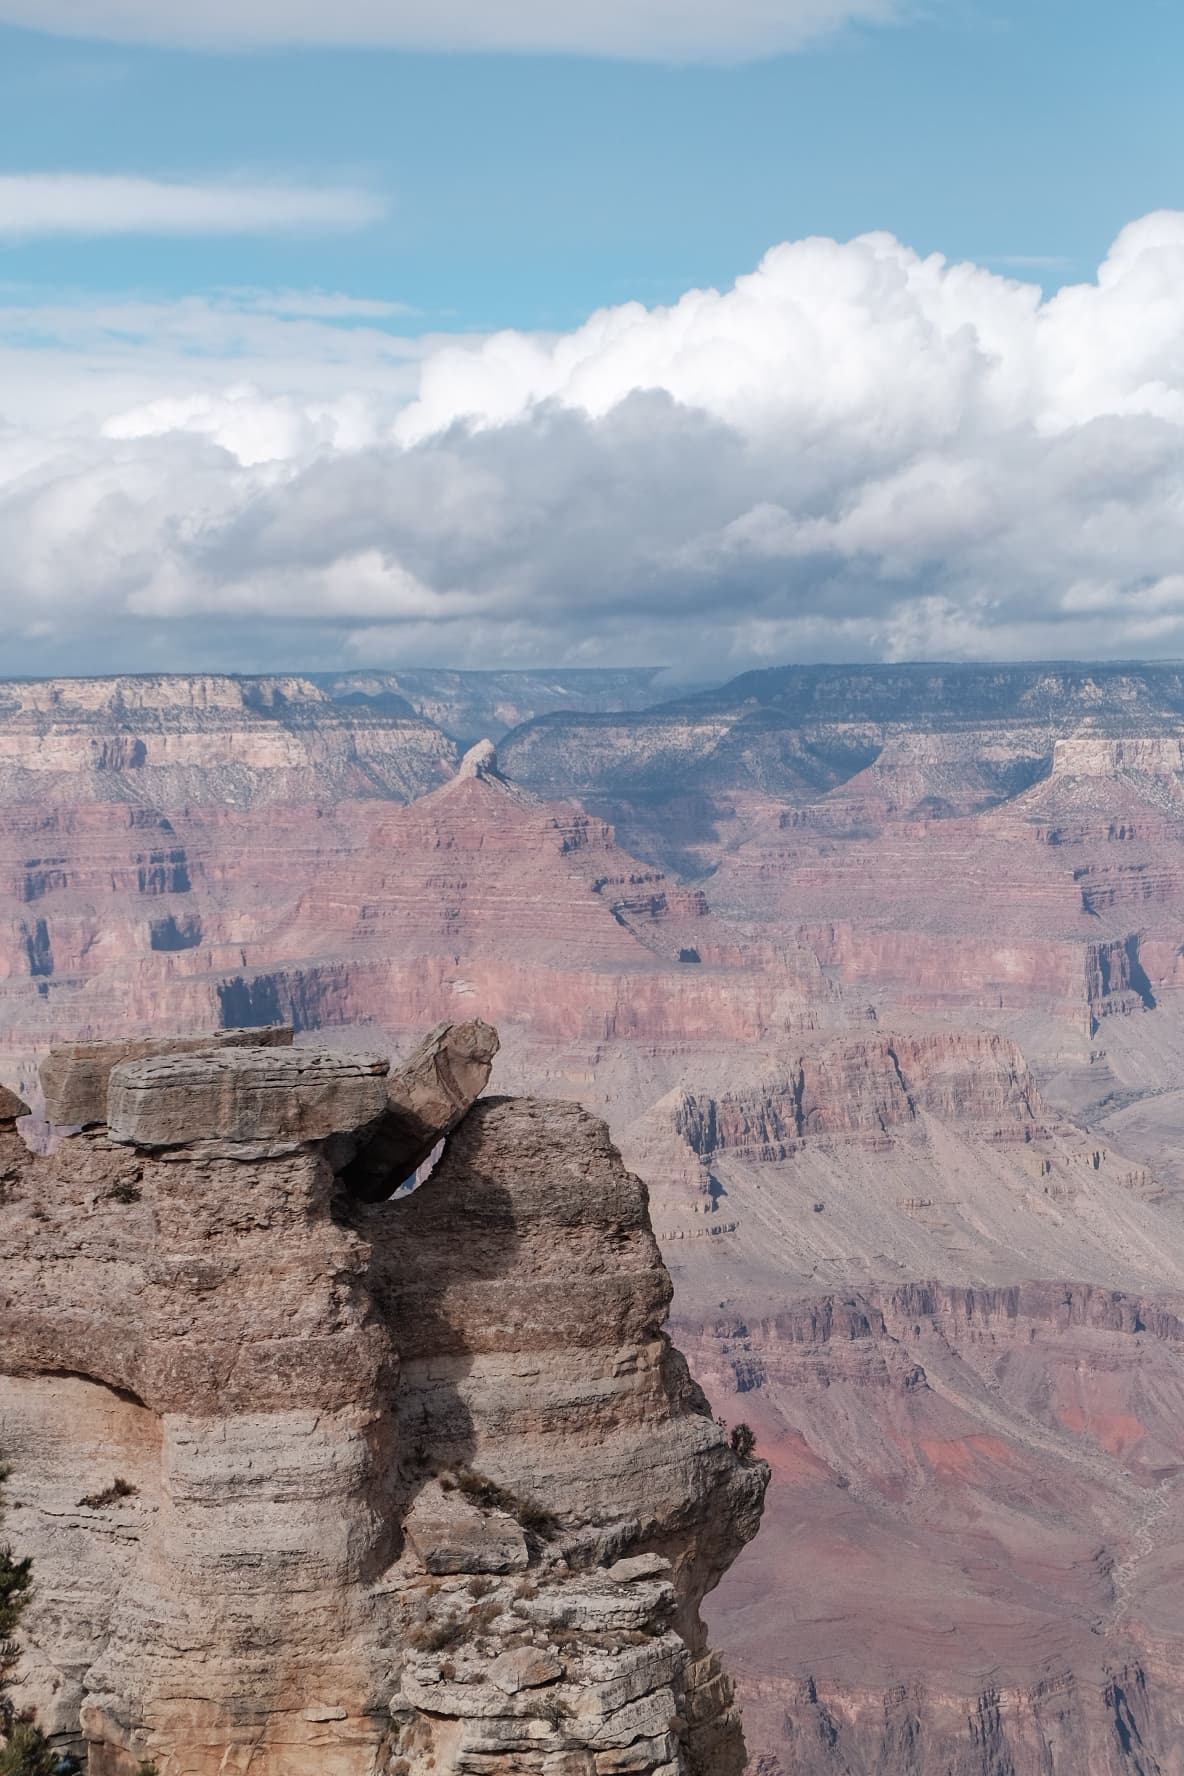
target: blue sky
526 191
722 333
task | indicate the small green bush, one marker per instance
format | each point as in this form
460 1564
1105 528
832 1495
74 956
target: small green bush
27 1752
743 1441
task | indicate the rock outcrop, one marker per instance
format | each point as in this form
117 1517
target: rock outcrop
317 1485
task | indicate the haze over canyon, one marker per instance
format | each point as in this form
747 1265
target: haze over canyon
875 974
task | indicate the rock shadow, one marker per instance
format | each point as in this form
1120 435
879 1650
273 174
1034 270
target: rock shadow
440 1255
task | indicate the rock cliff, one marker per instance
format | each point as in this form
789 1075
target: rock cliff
165 741
321 1479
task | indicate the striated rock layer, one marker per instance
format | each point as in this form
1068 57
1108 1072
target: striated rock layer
321 1485
1001 1470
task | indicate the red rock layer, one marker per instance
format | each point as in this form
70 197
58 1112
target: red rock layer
995 1474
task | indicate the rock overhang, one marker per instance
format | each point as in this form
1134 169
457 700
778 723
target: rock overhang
75 1075
248 1095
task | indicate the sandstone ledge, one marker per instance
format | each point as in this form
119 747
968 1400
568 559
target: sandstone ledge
75 1075
244 1094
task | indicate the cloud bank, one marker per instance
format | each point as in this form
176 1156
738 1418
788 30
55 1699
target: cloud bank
645 30
855 452
33 204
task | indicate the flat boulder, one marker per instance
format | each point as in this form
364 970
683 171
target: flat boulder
524 1668
75 1075
244 1095
639 1566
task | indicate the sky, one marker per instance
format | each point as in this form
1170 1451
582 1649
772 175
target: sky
696 333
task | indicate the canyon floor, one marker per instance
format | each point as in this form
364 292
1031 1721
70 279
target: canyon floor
877 975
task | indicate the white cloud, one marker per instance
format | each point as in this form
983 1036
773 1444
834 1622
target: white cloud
855 452
98 204
658 30
321 305
83 364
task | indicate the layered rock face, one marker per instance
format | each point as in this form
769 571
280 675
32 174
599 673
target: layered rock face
687 777
318 1482
477 894
164 741
996 1472
469 704
972 1557
972 1550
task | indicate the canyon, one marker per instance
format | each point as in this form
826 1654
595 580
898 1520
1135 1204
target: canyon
874 974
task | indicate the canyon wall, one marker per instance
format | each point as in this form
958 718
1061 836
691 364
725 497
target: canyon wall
994 1473
165 741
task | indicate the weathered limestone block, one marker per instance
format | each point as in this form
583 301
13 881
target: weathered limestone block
452 1536
426 1097
524 1668
75 1075
244 1094
600 1609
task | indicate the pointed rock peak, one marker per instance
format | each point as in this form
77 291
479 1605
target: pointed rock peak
495 792
480 761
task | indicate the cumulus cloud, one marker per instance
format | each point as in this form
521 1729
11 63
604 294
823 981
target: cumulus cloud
650 30
96 204
855 452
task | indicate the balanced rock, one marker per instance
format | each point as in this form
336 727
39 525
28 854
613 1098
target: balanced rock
75 1075
426 1097
244 1095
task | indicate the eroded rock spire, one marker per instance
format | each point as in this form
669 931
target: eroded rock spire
338 1488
